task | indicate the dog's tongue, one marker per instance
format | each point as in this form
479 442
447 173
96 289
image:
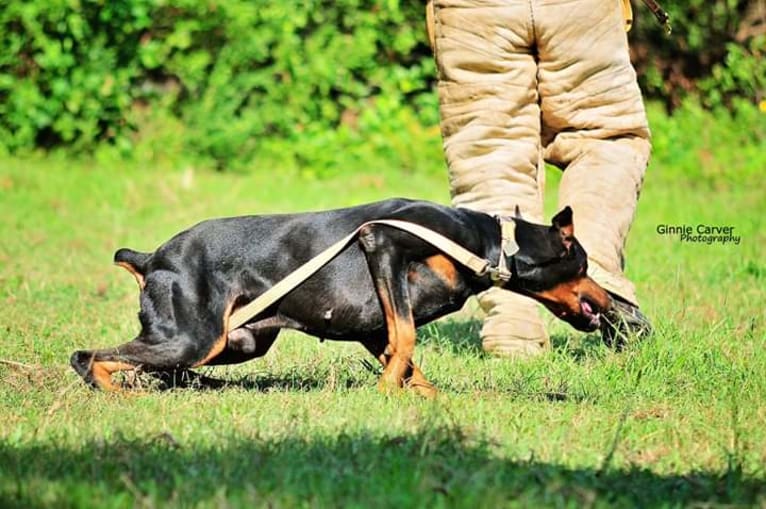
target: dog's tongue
586 307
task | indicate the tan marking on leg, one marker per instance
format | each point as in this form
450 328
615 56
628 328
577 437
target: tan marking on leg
383 357
220 343
139 277
102 373
420 384
444 268
388 380
388 313
400 363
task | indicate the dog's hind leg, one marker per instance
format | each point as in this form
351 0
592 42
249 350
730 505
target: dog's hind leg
244 345
97 366
389 274
252 340
417 381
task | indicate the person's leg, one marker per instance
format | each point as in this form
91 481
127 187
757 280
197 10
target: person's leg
490 122
594 126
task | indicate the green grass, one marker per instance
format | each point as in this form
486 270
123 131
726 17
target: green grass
677 420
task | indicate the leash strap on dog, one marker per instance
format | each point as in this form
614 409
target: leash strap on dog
477 264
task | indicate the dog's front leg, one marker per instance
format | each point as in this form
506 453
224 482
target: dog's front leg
389 273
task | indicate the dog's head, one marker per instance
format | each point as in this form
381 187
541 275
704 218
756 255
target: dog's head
551 267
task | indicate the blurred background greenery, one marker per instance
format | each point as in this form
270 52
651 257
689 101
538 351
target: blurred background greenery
319 85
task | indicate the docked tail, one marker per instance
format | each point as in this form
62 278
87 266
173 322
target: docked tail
135 263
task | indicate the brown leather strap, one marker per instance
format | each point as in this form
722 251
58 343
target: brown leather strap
661 15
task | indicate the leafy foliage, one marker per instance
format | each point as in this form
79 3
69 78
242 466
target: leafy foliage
79 72
717 49
221 81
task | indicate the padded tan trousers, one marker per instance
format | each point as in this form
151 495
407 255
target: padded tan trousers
522 81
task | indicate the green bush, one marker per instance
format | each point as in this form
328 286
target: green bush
67 74
717 51
708 147
81 72
222 82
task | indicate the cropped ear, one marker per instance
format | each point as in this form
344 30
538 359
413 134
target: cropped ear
563 223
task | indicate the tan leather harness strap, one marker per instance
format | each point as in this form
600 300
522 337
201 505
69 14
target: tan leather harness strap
477 264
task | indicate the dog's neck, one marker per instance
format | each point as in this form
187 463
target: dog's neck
492 238
508 248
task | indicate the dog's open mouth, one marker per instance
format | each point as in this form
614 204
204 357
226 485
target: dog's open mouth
590 313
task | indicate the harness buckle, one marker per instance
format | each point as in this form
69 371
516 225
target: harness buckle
499 275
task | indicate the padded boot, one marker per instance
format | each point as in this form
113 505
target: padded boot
624 323
513 326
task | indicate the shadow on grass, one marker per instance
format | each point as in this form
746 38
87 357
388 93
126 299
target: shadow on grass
519 387
579 347
462 337
435 466
348 377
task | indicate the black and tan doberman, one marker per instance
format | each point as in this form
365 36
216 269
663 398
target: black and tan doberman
377 291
